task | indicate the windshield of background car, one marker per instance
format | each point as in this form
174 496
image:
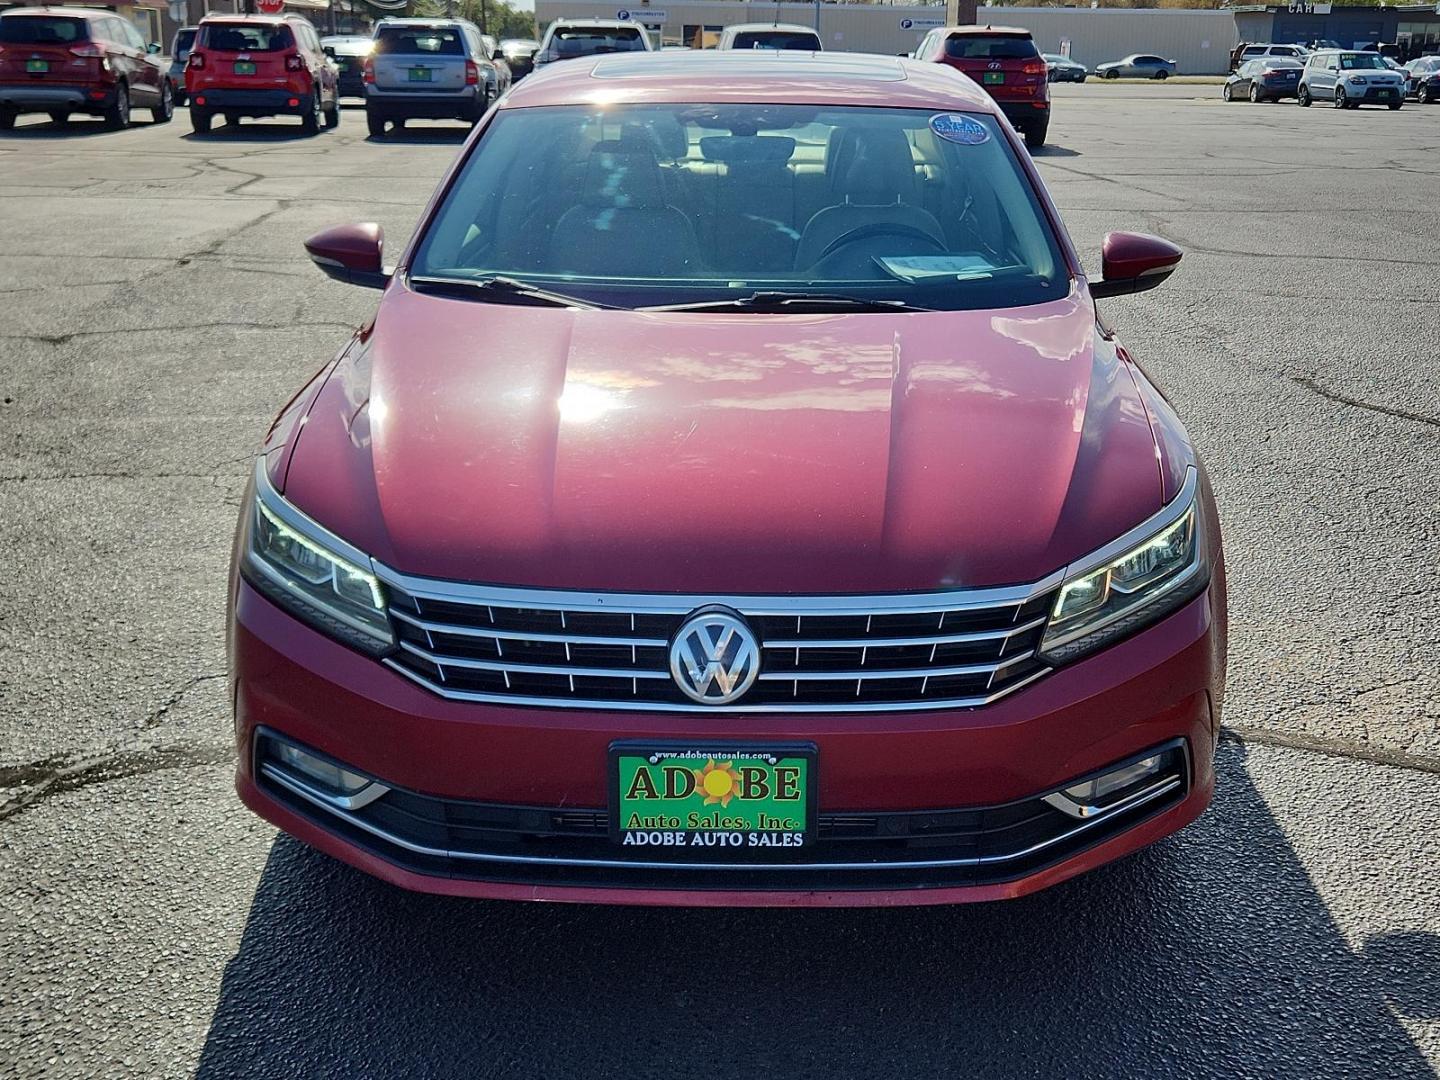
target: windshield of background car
1275 63
40 30
419 40
245 37
984 47
572 41
183 40
1362 62
768 39
642 205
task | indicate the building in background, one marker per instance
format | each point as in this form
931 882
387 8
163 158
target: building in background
1414 28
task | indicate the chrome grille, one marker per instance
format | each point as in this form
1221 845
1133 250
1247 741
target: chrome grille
956 649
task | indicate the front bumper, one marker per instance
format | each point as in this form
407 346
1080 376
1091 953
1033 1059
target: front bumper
473 761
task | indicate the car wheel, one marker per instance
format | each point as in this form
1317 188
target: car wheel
117 116
200 121
162 113
180 97
1035 136
481 106
376 123
1302 97
1226 93
1162 74
1395 105
59 119
310 122
1254 94
1112 74
1081 78
232 119
332 115
1340 102
1427 96
7 118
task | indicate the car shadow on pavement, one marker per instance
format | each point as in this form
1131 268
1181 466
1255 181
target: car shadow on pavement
1053 150
452 133
1210 955
252 132
71 129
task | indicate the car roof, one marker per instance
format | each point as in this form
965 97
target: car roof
439 20
241 17
975 28
758 75
73 12
788 28
594 22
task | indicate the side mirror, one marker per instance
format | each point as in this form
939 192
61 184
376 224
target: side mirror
153 48
329 50
351 253
1133 262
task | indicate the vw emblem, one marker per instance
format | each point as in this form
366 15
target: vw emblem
715 656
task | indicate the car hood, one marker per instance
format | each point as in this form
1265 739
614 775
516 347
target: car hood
727 453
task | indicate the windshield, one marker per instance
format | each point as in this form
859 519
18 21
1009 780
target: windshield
646 205
978 47
245 37
771 39
419 40
1362 62
183 40
40 30
572 41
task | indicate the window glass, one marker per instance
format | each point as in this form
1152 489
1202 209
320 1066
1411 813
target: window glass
641 205
572 41
245 37
988 47
40 30
183 40
770 39
1362 62
419 40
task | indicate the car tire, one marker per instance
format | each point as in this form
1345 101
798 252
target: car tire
117 115
165 111
1226 93
332 115
1394 105
1162 74
1302 97
376 123
1112 74
1426 96
200 120
481 106
1081 79
232 119
310 122
1340 102
59 118
1255 98
1035 136
180 96
7 118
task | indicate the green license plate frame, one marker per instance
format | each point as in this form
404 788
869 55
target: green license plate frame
37 67
244 67
767 804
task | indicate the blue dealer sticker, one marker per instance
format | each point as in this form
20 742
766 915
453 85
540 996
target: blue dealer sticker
959 128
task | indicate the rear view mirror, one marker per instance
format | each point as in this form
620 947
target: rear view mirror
1133 262
351 253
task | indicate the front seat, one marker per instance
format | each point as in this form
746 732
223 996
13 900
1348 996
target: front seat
623 226
872 174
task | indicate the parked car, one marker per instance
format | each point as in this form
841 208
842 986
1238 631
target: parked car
568 39
783 36
519 55
1422 79
1005 63
349 52
430 69
1258 51
1268 79
179 55
1063 69
258 66
1350 79
65 60
1137 66
961 642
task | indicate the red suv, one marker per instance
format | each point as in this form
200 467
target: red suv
1003 60
72 60
260 65
812 541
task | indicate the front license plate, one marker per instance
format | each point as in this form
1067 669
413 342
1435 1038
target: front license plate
993 77
244 67
37 67
712 797
419 74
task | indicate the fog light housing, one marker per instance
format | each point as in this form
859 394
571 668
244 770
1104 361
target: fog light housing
314 776
1124 785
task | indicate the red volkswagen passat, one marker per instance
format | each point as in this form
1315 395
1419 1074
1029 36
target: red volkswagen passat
735 499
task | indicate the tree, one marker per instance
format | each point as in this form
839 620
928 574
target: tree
494 17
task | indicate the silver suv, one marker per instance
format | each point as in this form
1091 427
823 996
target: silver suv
1350 79
431 69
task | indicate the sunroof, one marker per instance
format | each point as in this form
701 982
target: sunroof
756 63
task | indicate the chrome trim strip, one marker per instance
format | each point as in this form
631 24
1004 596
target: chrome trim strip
626 864
533 669
1170 513
361 799
1068 806
682 604
884 642
894 673
283 509
524 635
622 705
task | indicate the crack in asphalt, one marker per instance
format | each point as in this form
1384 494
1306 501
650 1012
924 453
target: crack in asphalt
1331 747
1344 399
54 776
65 339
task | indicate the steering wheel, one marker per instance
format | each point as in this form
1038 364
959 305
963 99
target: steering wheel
879 228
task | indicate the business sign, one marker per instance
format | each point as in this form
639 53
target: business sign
1302 8
640 15
921 24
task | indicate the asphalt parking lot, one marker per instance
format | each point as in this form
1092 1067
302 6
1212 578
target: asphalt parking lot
156 309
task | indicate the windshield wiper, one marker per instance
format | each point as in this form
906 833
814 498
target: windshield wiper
501 290
793 301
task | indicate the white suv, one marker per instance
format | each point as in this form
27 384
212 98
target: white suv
1350 79
568 38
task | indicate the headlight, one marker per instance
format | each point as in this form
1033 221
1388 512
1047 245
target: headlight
1142 577
312 573
1358 80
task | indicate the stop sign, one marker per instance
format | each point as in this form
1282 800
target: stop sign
270 7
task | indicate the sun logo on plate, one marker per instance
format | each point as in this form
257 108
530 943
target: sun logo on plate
718 783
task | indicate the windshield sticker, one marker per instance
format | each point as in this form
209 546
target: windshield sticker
959 128
913 268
